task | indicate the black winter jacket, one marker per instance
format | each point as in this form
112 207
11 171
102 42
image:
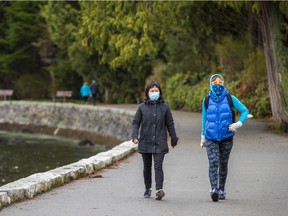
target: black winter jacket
155 118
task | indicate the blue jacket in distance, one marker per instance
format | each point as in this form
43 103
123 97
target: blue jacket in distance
85 91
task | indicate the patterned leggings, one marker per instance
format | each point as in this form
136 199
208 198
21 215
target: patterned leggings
218 154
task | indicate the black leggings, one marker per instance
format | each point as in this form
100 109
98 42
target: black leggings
85 99
158 166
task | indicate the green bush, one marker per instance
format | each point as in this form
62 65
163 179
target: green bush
196 95
182 96
32 87
176 91
253 85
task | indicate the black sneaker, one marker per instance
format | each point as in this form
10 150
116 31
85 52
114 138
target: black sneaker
214 195
147 193
159 194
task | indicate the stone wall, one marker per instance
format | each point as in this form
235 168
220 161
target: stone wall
105 121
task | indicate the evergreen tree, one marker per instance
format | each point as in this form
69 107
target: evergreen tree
19 58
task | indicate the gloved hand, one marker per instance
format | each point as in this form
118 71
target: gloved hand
249 116
174 142
203 141
233 127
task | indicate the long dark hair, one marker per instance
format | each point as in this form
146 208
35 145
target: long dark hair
151 85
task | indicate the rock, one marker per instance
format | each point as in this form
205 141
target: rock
86 142
97 176
56 131
25 130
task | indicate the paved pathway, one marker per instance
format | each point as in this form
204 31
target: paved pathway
256 184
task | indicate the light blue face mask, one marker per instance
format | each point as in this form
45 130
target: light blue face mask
218 89
154 96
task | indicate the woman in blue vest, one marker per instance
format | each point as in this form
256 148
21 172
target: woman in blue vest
218 129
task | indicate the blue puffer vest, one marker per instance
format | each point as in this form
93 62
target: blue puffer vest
219 117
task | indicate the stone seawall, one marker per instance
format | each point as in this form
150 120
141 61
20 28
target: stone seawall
102 120
106 121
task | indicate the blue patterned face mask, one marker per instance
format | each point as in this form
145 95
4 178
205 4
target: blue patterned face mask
154 96
218 89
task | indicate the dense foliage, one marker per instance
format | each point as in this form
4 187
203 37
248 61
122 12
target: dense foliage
48 46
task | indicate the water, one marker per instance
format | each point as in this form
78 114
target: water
24 154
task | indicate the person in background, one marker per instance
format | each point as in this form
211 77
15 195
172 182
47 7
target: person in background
218 130
155 118
85 92
94 90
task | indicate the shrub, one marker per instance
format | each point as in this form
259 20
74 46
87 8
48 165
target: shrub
176 91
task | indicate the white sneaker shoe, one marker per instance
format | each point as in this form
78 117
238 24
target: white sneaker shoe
222 194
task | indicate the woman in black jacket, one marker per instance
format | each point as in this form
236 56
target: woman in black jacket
155 118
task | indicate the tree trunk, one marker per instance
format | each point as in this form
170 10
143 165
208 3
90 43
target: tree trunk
53 90
275 91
